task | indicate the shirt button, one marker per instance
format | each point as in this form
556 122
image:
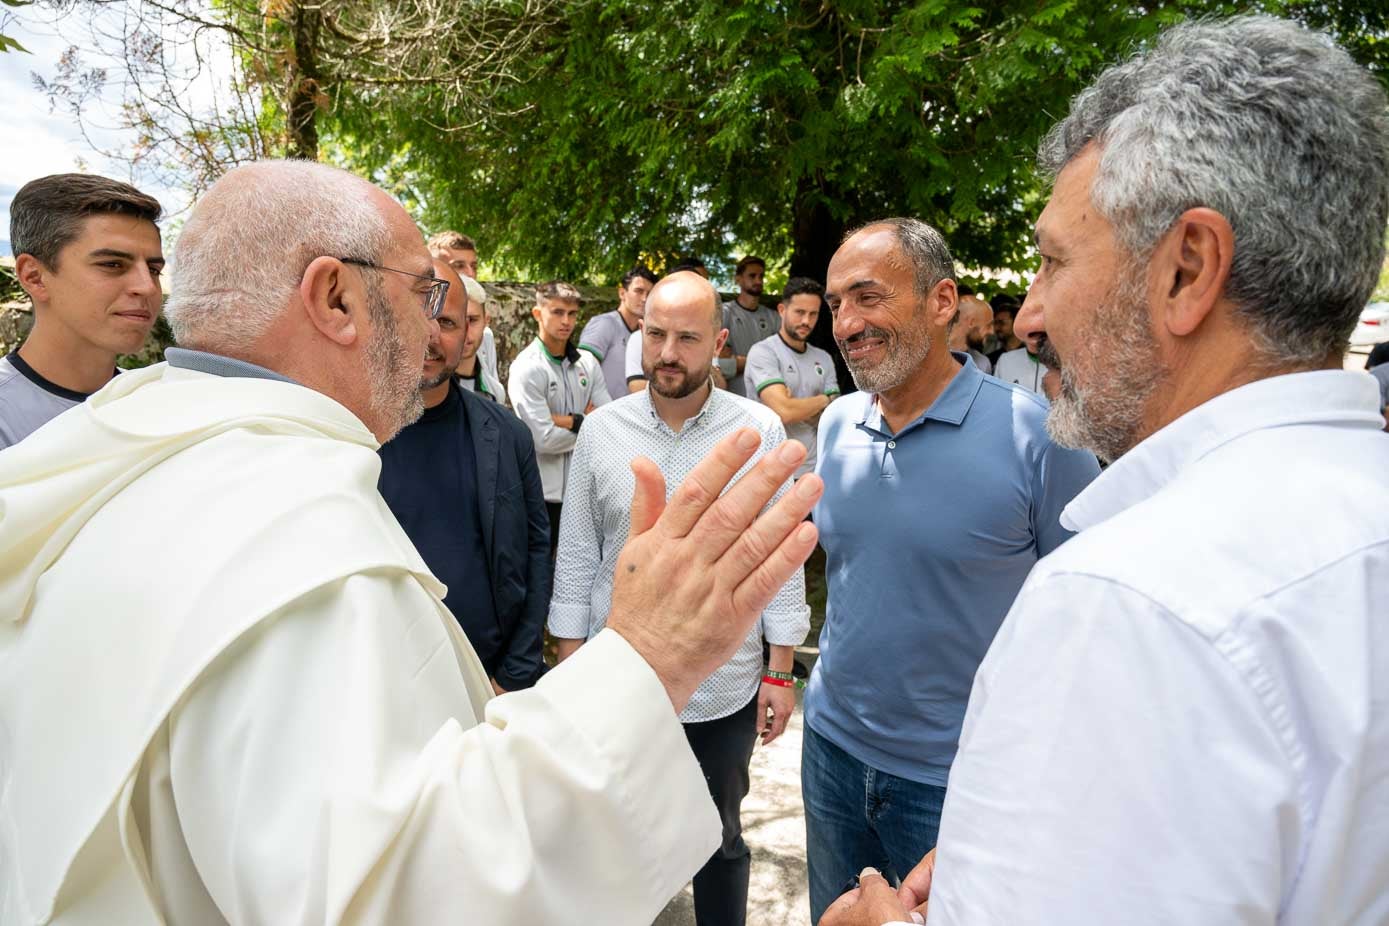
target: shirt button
892 445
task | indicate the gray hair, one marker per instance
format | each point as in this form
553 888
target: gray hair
923 247
1275 128
250 238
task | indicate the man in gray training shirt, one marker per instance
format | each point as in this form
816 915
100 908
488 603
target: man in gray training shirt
88 254
790 376
606 336
747 319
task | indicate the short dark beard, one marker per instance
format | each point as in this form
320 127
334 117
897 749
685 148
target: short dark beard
689 384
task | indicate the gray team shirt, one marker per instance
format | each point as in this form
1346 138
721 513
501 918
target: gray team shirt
804 374
28 401
605 337
746 328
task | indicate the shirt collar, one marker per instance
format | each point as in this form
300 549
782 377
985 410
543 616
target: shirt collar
1316 397
950 407
218 365
571 353
658 421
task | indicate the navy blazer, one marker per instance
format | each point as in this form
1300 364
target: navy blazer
515 535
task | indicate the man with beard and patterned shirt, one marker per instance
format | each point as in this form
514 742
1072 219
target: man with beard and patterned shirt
674 422
942 490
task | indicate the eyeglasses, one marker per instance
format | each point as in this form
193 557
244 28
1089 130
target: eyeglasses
433 299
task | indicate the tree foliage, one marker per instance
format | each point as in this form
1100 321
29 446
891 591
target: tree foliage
715 126
576 136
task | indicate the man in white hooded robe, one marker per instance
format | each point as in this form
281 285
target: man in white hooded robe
229 690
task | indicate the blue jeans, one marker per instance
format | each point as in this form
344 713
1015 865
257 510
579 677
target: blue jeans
856 816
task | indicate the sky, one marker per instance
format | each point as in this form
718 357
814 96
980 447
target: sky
36 142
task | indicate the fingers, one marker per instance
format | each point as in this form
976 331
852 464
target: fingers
648 495
702 486
779 721
762 700
916 886
771 551
728 521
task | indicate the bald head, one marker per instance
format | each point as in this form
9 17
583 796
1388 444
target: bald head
682 333
688 291
245 246
284 264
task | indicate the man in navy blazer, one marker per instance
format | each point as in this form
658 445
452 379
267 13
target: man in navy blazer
464 483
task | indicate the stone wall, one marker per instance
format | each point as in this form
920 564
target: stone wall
508 308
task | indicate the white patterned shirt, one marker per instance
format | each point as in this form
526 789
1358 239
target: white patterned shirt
597 517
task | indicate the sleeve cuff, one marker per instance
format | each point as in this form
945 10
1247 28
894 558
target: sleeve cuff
568 621
786 628
612 697
592 350
769 382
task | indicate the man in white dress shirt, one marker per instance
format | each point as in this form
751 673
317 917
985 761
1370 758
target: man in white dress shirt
1185 717
230 691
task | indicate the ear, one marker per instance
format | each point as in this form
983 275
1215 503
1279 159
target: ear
942 302
330 293
31 274
720 340
1190 269
781 309
535 314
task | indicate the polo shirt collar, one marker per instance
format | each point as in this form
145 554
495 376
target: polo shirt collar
1332 397
950 407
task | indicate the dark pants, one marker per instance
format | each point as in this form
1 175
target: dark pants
553 509
856 816
724 750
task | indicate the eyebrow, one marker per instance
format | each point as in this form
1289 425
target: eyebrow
124 255
855 287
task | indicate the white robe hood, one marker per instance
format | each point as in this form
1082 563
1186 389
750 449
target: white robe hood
75 488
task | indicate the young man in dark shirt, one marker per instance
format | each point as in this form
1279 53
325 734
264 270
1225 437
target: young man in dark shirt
464 485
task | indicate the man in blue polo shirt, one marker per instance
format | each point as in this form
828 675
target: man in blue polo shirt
942 489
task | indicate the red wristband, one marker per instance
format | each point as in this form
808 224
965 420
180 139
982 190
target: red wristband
779 682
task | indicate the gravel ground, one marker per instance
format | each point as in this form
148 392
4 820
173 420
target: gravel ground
774 828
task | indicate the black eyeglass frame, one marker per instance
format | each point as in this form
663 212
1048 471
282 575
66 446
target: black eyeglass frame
434 299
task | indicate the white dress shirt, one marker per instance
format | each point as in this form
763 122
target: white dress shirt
1185 717
597 517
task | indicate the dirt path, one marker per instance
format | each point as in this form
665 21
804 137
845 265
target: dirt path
774 827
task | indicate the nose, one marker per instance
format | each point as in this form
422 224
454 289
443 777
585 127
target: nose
142 281
433 332
1029 324
846 324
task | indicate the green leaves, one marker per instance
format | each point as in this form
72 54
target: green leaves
9 43
716 127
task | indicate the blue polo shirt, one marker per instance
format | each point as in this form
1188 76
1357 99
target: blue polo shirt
929 534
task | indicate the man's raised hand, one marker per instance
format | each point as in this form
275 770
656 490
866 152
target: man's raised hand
698 570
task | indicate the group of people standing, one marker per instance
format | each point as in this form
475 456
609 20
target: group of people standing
271 611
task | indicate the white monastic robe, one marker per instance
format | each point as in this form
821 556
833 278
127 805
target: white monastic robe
229 692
